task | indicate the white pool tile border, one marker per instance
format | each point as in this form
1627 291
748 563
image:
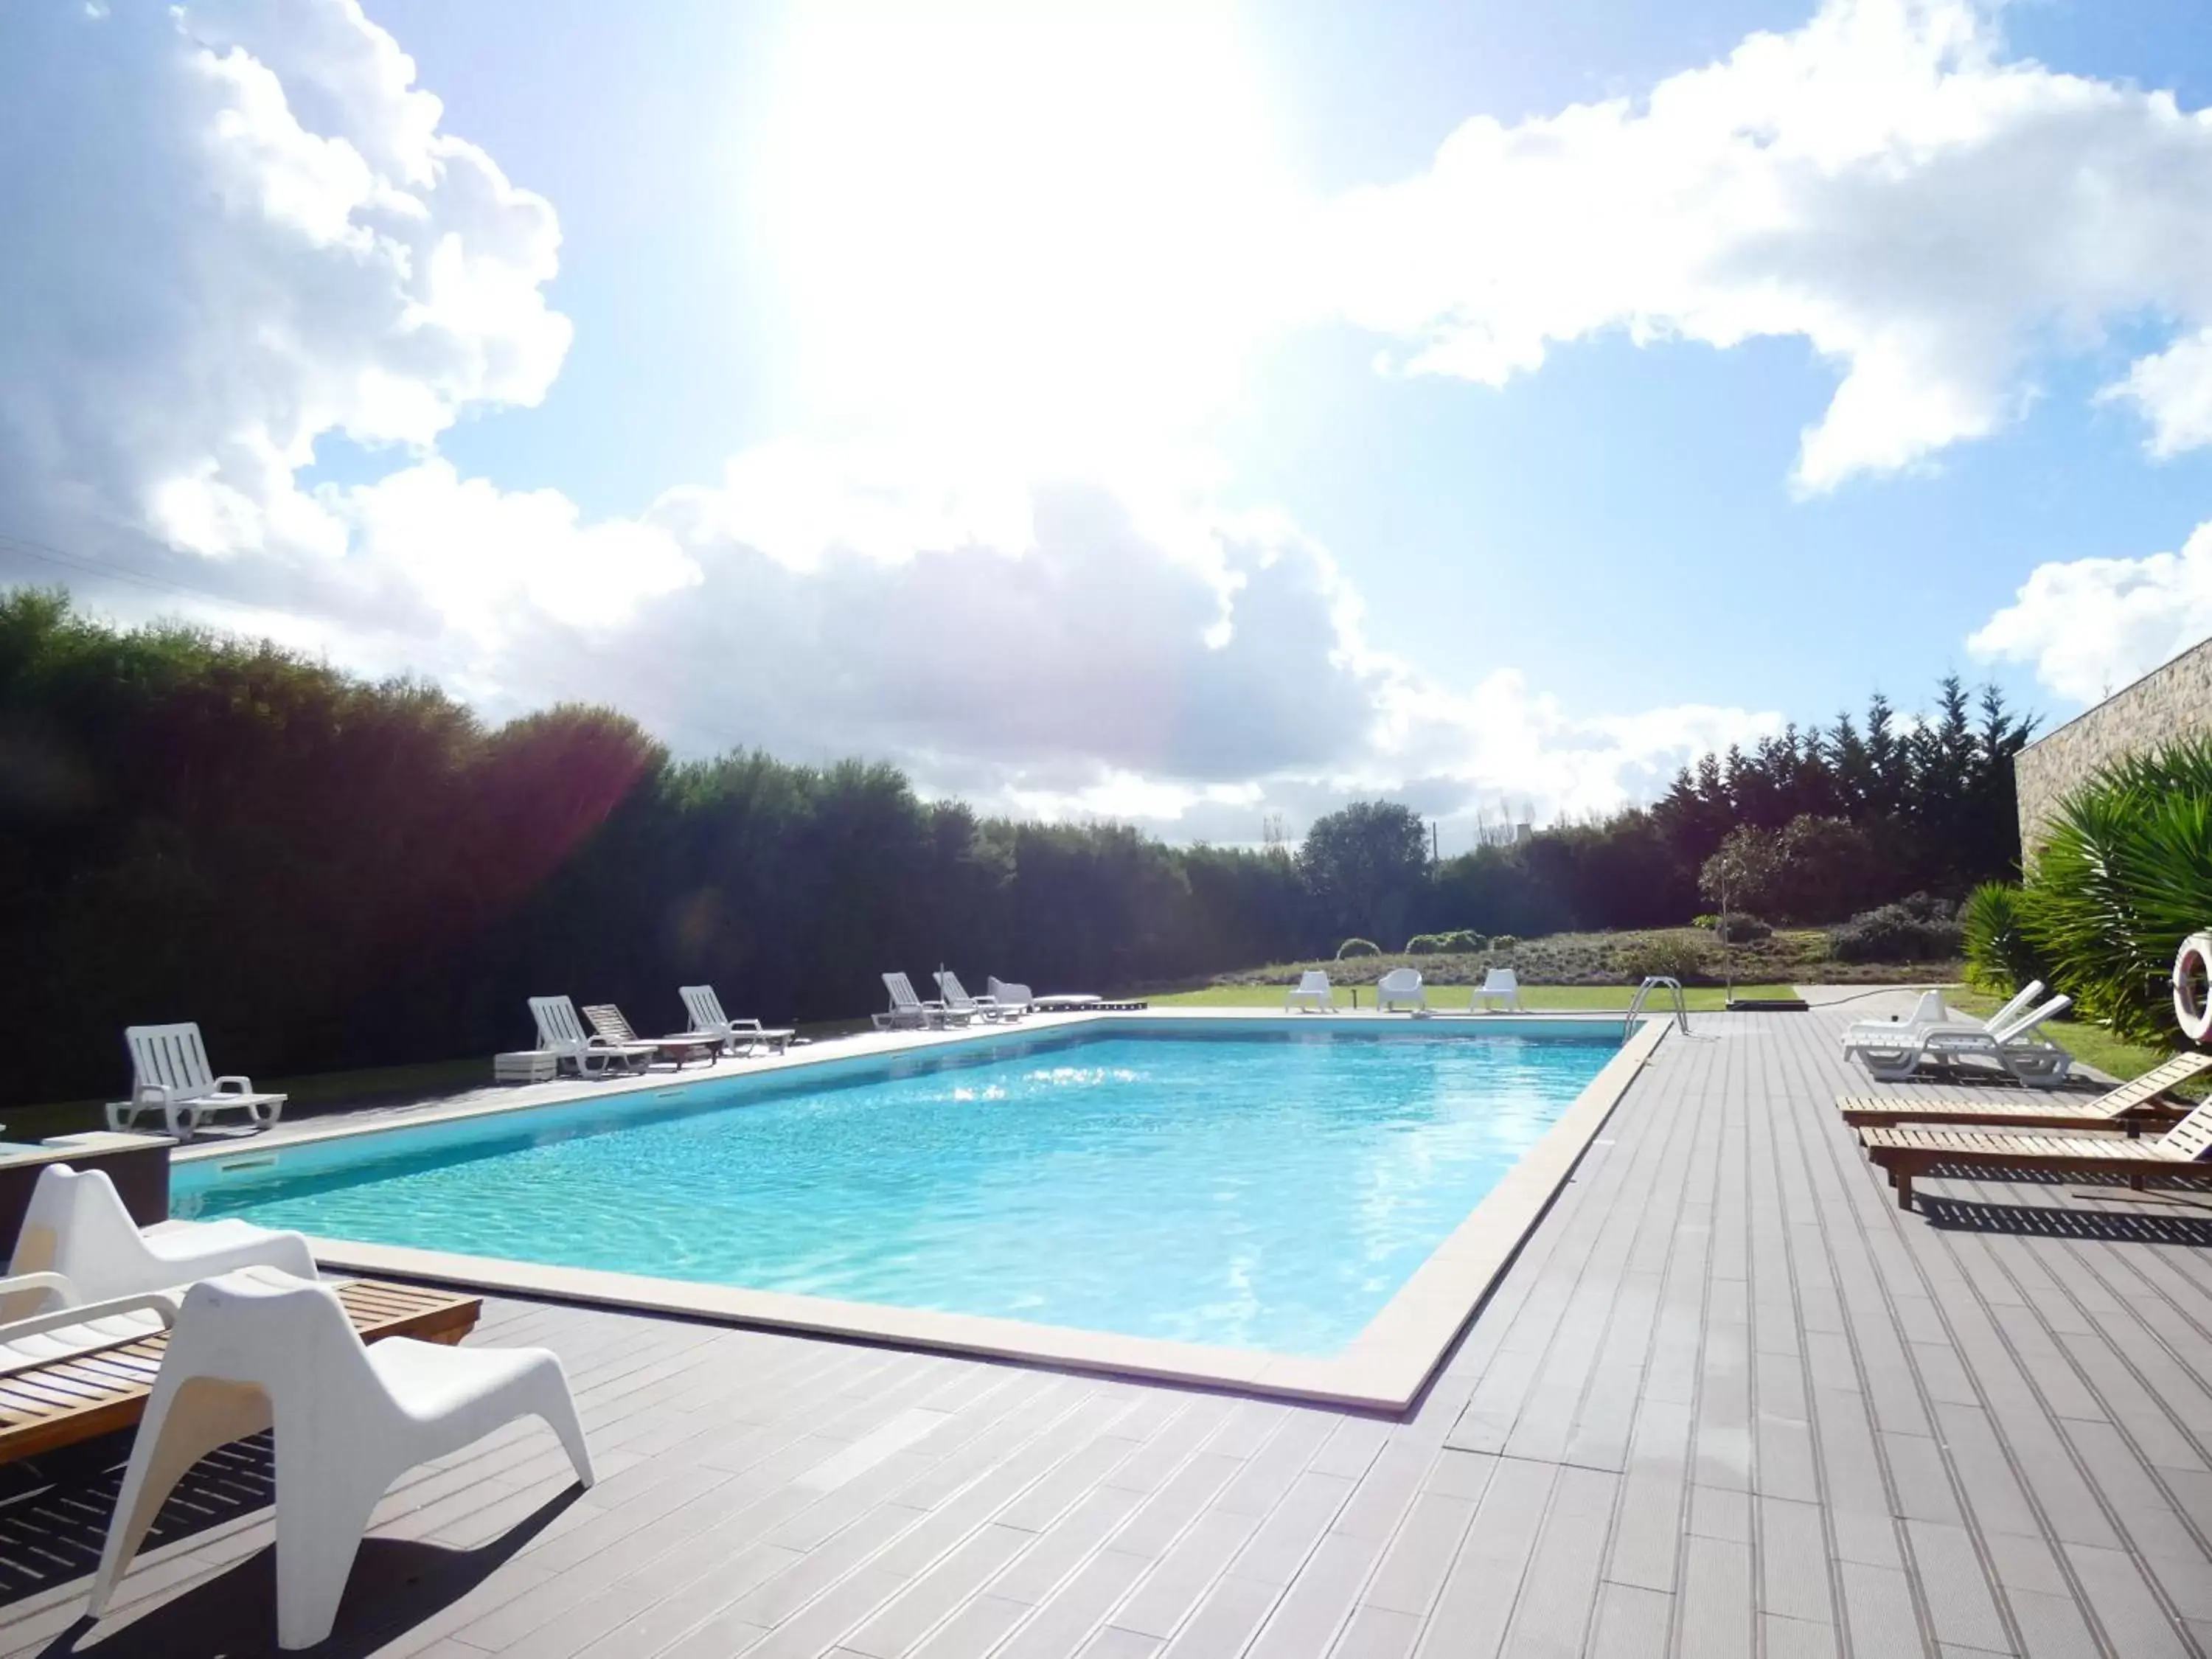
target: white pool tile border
1383 1368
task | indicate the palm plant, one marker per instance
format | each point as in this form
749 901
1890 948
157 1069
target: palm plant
2123 878
2000 956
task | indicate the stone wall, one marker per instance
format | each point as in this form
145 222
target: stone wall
2169 702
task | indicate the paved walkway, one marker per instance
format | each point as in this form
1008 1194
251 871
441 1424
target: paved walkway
1730 1401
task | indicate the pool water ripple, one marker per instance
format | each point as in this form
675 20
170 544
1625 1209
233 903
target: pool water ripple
1256 1193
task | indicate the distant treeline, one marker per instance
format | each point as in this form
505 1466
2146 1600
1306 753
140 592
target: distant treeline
328 873
1933 800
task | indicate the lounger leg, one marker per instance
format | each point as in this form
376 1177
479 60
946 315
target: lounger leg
549 1397
1900 1176
321 1514
178 1430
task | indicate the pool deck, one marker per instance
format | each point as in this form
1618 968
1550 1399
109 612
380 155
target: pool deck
1727 1400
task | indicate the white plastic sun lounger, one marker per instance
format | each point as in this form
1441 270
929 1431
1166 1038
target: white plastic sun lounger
170 1075
1013 996
1401 987
958 1002
1930 1013
908 1011
2014 1046
704 1009
256 1351
1499 987
561 1034
1312 992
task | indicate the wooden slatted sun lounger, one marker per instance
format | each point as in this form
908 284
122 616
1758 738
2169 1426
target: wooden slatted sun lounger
611 1024
2130 1107
62 1401
1910 1150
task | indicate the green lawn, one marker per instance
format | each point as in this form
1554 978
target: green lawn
382 1086
1707 999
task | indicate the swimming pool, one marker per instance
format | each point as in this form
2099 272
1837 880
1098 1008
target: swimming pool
1262 1189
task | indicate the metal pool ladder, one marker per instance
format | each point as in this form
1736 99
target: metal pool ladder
1667 983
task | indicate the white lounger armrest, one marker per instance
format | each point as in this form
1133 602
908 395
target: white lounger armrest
59 1286
232 1085
162 1304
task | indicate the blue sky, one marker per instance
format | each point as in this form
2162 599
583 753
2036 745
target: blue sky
1461 480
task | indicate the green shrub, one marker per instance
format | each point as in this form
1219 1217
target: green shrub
1675 956
1893 933
1357 947
1999 957
1504 945
1737 929
2125 875
1441 944
1926 907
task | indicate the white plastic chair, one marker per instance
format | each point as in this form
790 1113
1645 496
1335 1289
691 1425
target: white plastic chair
251 1351
170 1074
1312 991
1401 987
1499 986
1008 995
704 1009
76 1226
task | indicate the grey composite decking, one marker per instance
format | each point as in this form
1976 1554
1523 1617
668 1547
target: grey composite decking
1728 1401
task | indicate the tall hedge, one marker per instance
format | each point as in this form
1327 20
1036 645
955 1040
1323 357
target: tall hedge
328 872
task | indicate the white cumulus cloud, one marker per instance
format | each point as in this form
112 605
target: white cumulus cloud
2090 626
243 230
1883 183
233 228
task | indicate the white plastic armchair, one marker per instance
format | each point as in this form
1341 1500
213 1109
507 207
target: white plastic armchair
1500 985
170 1075
1312 991
1401 987
251 1351
1009 995
76 1226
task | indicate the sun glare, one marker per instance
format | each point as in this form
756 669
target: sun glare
1049 226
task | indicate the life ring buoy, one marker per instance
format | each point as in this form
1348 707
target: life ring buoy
2192 964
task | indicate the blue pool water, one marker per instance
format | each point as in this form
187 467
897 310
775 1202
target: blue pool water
1268 1191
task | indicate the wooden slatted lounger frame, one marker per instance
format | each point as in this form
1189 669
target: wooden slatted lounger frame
1908 1151
2130 1106
62 1401
610 1022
